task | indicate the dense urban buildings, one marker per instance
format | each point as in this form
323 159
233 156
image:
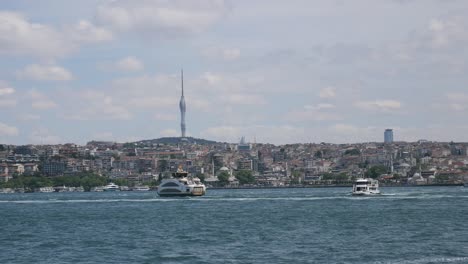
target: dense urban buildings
243 164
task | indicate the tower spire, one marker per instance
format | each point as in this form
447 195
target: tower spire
182 106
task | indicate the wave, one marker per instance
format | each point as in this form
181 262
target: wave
429 260
85 201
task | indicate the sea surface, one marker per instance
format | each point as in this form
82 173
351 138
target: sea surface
324 225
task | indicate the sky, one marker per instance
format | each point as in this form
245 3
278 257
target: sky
274 71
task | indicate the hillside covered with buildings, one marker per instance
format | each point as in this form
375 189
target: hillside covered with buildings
233 165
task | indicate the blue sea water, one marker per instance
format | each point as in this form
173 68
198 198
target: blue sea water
326 225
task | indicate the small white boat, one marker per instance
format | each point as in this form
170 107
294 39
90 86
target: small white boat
7 190
124 188
181 185
97 189
111 187
141 188
366 187
45 189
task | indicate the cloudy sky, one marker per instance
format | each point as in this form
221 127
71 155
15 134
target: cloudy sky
278 71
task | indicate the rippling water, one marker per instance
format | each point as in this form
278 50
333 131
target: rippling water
404 225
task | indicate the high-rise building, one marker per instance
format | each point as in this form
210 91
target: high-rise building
182 107
388 136
243 146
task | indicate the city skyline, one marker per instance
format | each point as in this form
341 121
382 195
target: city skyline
298 72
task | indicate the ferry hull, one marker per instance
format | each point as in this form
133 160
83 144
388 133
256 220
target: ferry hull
178 194
175 193
365 194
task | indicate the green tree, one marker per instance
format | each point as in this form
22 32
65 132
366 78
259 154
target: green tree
442 178
341 177
375 171
223 178
121 182
327 176
89 181
201 176
295 177
318 154
352 152
245 177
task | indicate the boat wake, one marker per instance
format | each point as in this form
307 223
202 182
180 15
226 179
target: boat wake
429 260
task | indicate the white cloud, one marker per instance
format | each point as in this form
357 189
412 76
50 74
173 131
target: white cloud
153 102
85 32
29 117
165 117
243 99
42 135
18 36
379 105
445 31
211 78
43 104
319 112
92 105
348 133
457 101
169 133
319 106
106 136
281 134
228 54
127 64
344 129
457 97
45 73
8 102
130 64
458 107
327 92
40 100
6 130
231 54
6 91
161 17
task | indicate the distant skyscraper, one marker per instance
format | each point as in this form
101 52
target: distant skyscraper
388 136
182 107
243 146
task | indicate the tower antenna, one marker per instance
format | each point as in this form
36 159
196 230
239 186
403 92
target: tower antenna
182 106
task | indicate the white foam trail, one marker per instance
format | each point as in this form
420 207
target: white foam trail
429 260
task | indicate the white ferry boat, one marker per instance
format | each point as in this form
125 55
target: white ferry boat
366 187
181 185
111 187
